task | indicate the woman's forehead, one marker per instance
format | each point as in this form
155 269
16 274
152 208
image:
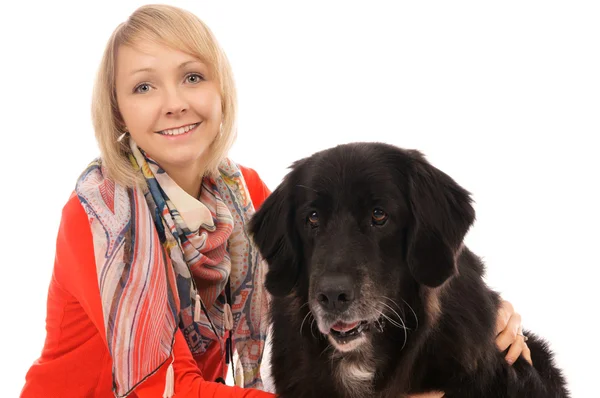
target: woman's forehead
147 56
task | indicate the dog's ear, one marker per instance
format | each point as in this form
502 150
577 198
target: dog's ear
272 229
442 214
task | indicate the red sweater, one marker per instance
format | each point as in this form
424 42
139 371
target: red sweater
75 360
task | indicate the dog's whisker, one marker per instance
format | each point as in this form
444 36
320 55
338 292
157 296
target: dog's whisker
377 311
382 315
393 322
402 327
312 329
393 302
303 320
379 323
326 348
400 308
394 311
332 357
413 311
405 339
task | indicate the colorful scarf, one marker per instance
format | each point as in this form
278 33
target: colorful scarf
163 260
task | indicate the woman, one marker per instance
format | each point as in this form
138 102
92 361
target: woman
155 282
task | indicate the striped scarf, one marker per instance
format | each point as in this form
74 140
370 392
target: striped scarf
163 260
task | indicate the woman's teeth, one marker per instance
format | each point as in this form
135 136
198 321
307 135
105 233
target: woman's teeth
181 130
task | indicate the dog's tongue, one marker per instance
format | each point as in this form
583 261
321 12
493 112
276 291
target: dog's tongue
344 327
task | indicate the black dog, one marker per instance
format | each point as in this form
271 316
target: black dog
374 293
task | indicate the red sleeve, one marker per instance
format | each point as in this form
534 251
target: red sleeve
75 276
257 188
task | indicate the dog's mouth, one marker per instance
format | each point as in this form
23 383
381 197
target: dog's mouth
349 336
349 330
344 332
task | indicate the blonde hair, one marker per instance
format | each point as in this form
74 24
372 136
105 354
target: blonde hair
180 30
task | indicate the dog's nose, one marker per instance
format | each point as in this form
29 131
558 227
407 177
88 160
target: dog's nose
335 292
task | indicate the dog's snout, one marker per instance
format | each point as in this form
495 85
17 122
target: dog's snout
335 292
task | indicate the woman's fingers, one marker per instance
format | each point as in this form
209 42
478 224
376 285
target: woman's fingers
510 333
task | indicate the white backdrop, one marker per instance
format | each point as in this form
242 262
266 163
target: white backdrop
504 97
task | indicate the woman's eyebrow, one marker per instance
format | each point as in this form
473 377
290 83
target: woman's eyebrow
181 66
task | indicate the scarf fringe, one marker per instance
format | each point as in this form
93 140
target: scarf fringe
170 381
197 308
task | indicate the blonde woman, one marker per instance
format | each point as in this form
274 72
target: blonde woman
156 284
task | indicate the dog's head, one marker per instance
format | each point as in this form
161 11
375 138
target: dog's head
350 226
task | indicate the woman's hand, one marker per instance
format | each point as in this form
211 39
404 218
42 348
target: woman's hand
510 333
428 395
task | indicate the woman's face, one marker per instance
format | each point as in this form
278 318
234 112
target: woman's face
170 103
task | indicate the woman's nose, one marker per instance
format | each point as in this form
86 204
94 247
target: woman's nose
174 102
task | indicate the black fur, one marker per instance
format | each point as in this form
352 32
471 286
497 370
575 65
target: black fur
431 319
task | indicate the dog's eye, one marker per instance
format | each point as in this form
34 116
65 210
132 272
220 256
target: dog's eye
313 219
379 217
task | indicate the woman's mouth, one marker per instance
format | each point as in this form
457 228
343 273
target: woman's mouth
179 131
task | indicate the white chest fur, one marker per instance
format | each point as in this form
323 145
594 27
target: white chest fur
355 377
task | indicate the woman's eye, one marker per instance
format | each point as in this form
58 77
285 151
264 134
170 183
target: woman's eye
379 217
313 219
142 88
194 78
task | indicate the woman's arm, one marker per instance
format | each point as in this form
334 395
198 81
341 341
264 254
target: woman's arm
188 379
75 275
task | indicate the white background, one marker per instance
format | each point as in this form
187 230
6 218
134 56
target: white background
504 97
